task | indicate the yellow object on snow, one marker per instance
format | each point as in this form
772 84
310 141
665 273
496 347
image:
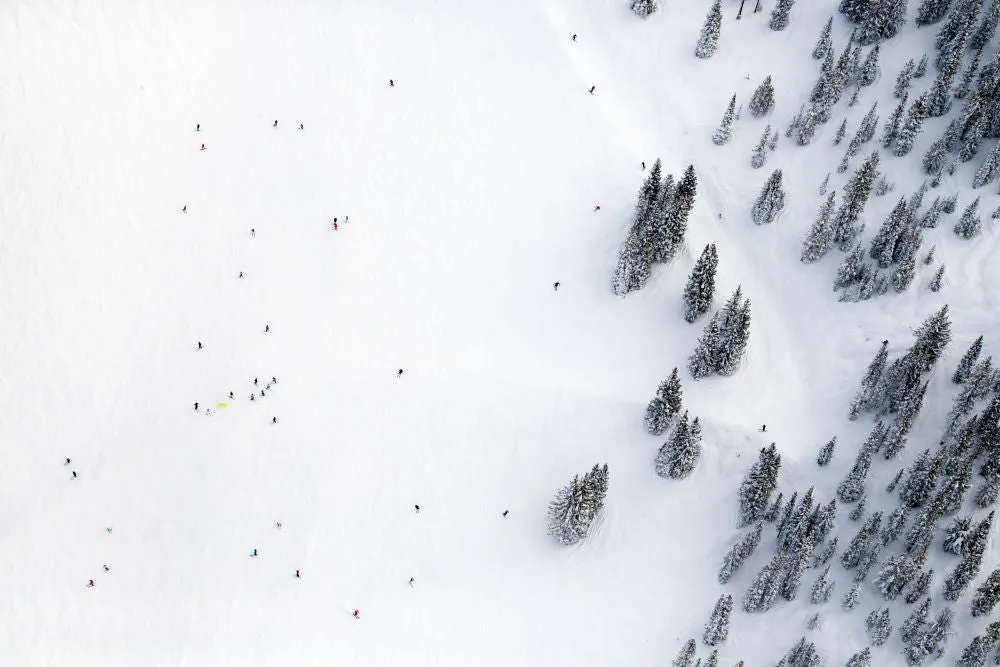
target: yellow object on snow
221 404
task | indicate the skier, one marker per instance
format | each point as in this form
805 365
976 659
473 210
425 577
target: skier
185 209
91 584
231 395
67 462
106 568
505 513
241 274
253 233
278 525
274 420
199 345
574 37
644 166
254 552
334 226
411 582
262 394
275 124
763 428
592 89
417 507
74 474
301 126
274 380
255 382
252 397
399 374
356 614
555 286
208 412
597 208
297 574
195 409
203 147
267 328
197 128
391 83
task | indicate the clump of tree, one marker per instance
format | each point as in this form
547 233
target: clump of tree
770 201
575 507
724 339
740 552
725 130
665 405
717 628
762 100
708 41
679 455
758 485
820 238
700 288
644 8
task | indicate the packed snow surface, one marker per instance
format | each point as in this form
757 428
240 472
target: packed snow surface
462 193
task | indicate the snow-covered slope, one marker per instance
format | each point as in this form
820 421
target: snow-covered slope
470 187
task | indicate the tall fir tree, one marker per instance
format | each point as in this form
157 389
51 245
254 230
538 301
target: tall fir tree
867 398
762 100
763 591
824 45
897 572
717 628
770 201
679 455
890 132
724 132
847 226
779 17
862 658
968 362
758 485
904 79
911 127
820 238
700 288
734 333
759 155
740 552
686 656
989 170
879 626
915 622
931 11
644 8
671 231
708 41
987 595
870 69
970 224
826 452
822 589
665 405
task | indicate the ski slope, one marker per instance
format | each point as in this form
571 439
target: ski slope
470 187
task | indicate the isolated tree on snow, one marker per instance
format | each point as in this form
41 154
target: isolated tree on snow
724 131
762 100
643 8
700 288
708 42
665 405
686 657
739 553
879 626
903 79
826 452
824 45
779 17
987 595
759 155
970 224
717 628
758 485
564 512
770 201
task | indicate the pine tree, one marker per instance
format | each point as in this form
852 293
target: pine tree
770 201
989 170
989 491
903 79
764 590
643 8
970 224
921 480
914 624
851 598
686 657
927 643
921 68
734 333
826 452
762 100
758 485
724 131
879 626
679 455
870 69
824 45
911 127
708 41
987 29
904 273
884 244
931 11
717 628
932 337
759 155
700 288
957 535
704 360
862 542
822 589
987 595
919 587
798 561
665 405
966 571
828 552
939 97
846 224
965 84
891 486
739 553
866 397
772 513
779 17
820 237
852 488
936 157
862 658
636 254
673 226
713 659
976 653
803 654
894 525
564 511
968 362
894 576
935 284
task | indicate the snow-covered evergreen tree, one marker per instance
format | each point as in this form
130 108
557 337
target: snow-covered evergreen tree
987 595
826 553
770 201
762 100
989 170
686 656
867 397
708 41
717 628
987 29
921 69
764 590
965 83
904 79
823 588
928 642
976 653
970 224
931 11
852 488
939 96
820 238
851 598
879 626
895 575
704 360
968 362
824 45
935 284
826 452
670 232
779 17
966 571
759 155
921 480
643 8
774 511
911 127
758 485
870 69
894 525
847 226
956 536
724 132
862 542
862 658
679 455
739 553
915 622
700 288
734 333
803 654
665 405
921 584
564 513
936 157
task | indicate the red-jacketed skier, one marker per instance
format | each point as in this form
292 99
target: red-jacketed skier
356 612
